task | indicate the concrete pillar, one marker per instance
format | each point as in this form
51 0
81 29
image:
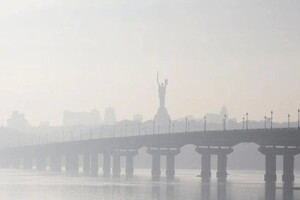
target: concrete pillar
270 163
41 162
205 166
106 165
270 173
94 164
87 163
170 171
27 163
116 165
129 165
72 165
288 168
222 163
155 165
55 163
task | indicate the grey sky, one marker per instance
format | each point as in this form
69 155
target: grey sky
80 55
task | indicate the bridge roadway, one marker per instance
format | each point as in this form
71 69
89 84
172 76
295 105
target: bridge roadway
275 142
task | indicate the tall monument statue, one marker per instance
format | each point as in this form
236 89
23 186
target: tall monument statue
162 118
162 92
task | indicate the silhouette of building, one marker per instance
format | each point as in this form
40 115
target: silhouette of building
138 117
217 118
110 116
18 121
81 118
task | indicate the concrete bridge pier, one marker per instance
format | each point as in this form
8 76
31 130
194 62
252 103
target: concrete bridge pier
129 168
270 164
205 163
87 163
155 162
72 165
94 164
222 163
116 165
106 164
288 162
40 162
55 163
170 171
288 168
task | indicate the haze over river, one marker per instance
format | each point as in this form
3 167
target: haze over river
246 185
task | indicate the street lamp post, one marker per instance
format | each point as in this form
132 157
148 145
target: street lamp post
243 123
265 122
289 120
247 121
298 118
139 128
271 119
186 124
169 126
153 127
224 123
204 123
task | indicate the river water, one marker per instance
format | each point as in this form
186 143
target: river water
241 185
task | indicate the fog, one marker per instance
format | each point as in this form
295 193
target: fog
84 55
128 86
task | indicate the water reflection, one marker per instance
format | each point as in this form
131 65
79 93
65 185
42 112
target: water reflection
63 187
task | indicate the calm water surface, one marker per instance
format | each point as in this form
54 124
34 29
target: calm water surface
241 185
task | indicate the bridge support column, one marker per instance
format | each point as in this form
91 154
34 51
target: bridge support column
87 163
170 171
205 163
41 162
129 168
94 164
155 162
129 165
72 165
116 165
106 164
222 163
270 164
288 168
55 163
27 163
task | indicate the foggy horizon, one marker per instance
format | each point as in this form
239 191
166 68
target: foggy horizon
80 56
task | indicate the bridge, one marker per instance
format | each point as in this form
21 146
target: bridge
272 143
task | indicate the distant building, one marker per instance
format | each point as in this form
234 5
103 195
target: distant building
138 117
18 121
217 118
44 124
81 118
110 116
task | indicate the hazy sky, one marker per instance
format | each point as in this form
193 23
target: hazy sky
79 55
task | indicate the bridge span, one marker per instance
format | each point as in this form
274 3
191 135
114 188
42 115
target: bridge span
272 143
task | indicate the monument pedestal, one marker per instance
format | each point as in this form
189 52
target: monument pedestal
162 120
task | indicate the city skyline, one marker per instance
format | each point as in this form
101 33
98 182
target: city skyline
245 58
